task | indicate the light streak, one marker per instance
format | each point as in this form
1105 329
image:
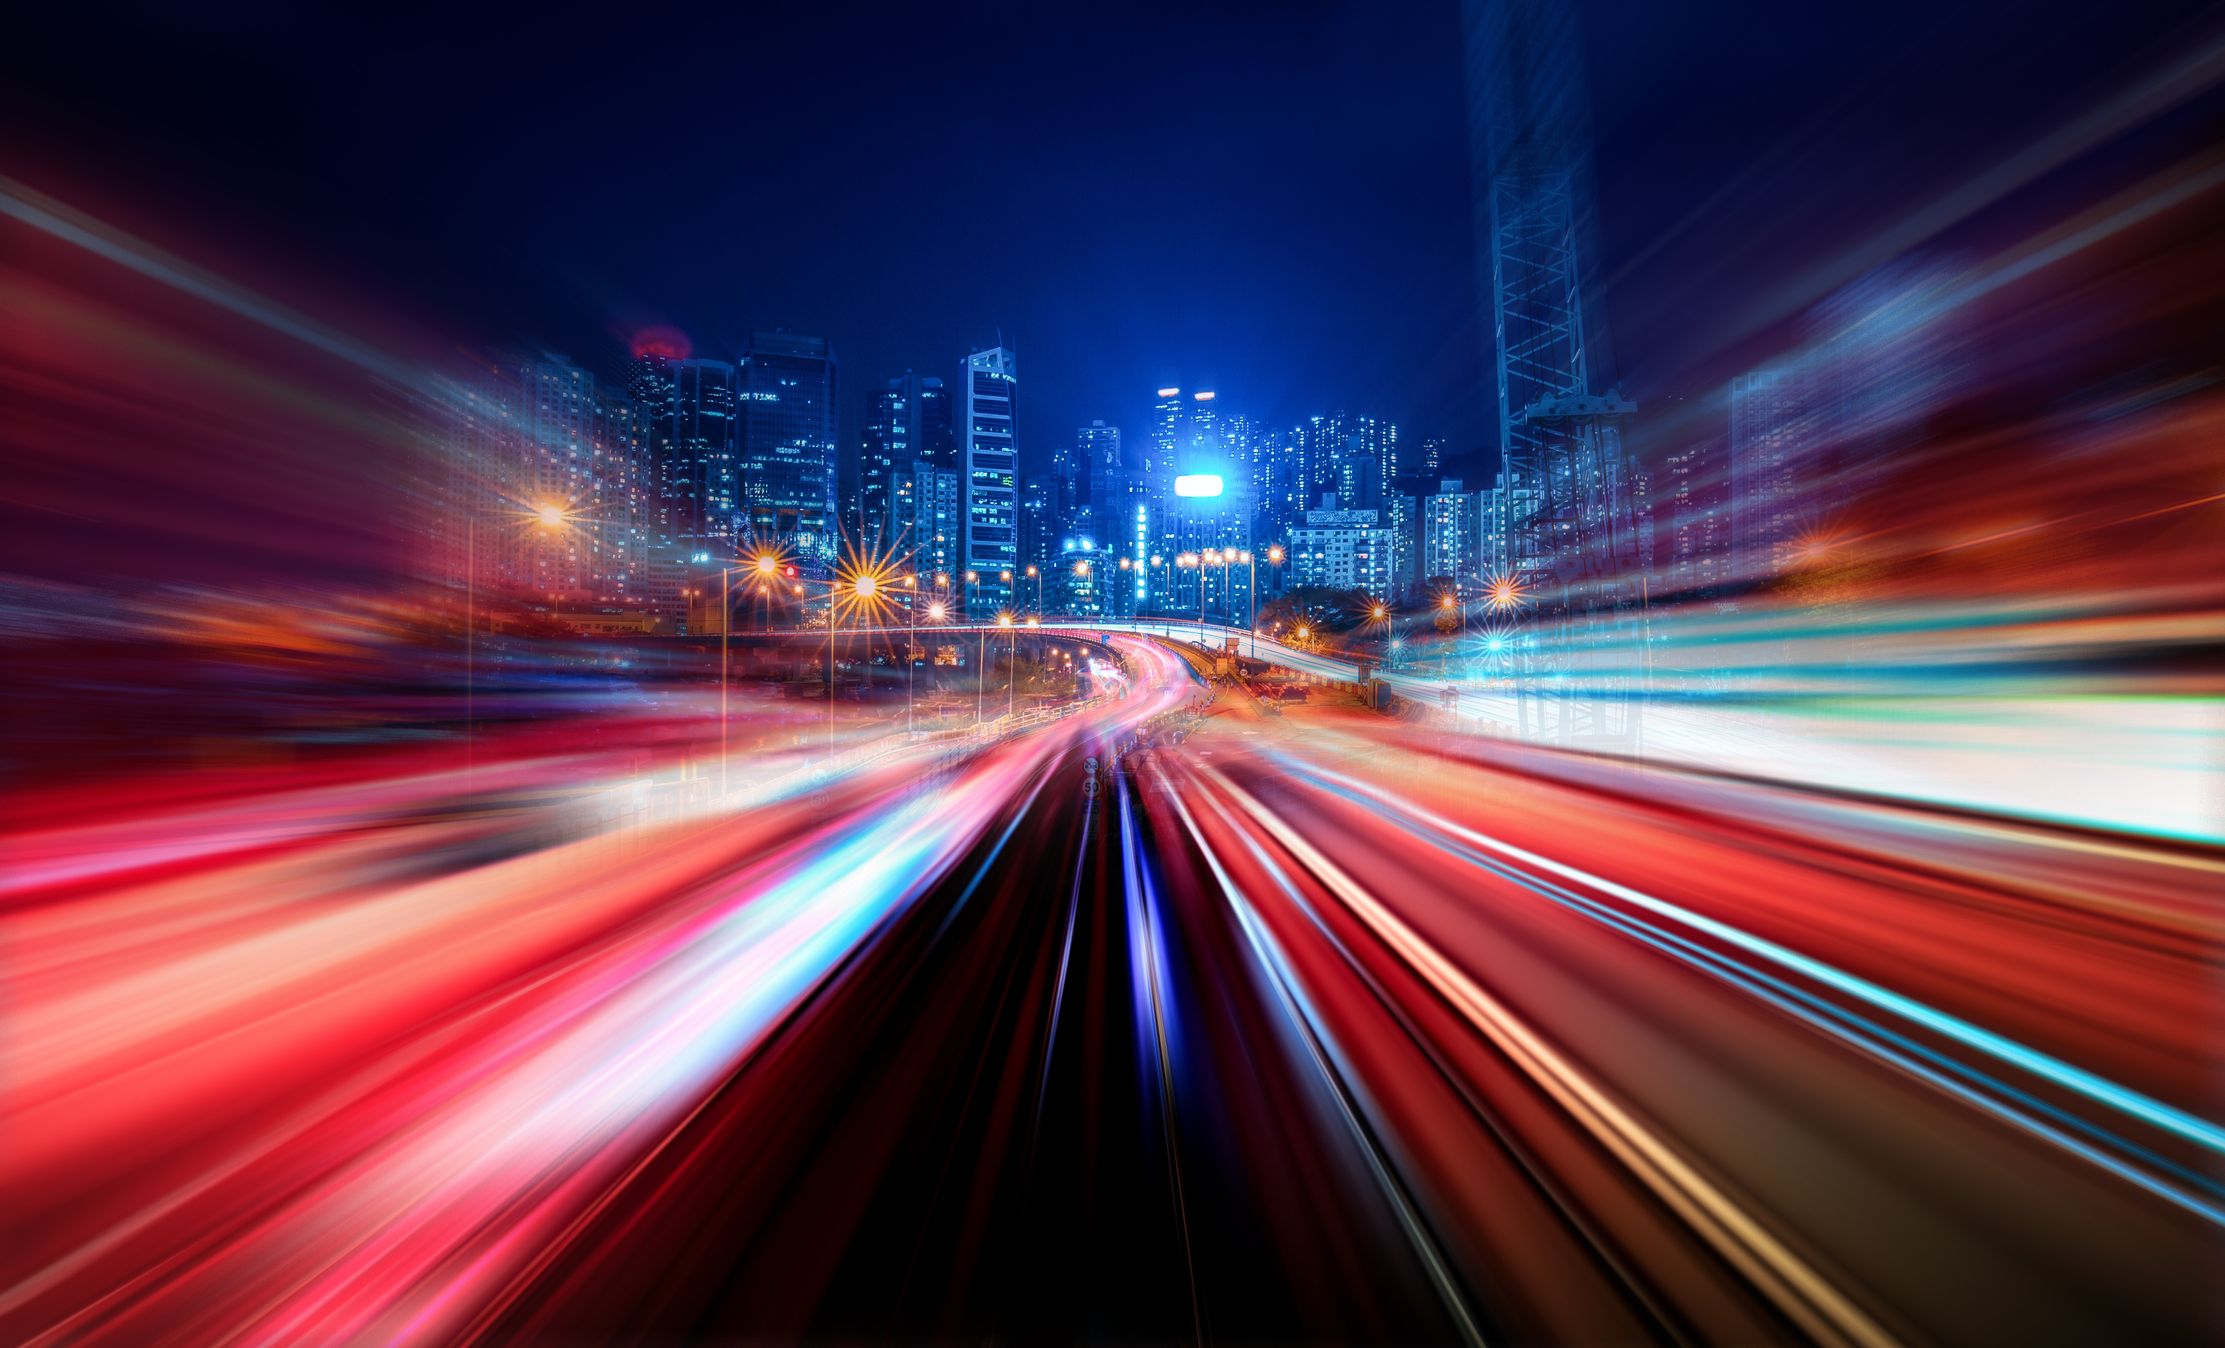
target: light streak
1798 1289
2100 1089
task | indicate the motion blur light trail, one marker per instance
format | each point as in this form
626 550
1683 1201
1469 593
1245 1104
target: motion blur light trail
2121 977
413 1088
1296 1024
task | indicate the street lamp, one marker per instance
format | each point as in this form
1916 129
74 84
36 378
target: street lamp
981 674
911 643
1445 604
1038 586
1251 598
1189 561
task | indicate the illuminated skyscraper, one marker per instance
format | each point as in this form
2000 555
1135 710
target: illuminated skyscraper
884 443
689 419
787 411
990 473
906 419
1097 451
1040 518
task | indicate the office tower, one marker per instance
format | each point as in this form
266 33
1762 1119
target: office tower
1169 412
907 419
883 443
788 446
689 418
934 432
988 431
1098 462
1203 422
1040 524
1070 469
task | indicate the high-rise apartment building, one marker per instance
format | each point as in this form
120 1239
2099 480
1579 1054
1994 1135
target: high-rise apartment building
1342 549
1452 527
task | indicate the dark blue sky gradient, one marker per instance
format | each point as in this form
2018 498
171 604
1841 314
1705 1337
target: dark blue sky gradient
1271 200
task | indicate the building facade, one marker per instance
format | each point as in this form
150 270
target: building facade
788 445
1342 549
990 474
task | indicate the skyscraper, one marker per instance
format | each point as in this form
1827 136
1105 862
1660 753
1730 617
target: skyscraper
883 443
1097 447
1040 518
689 420
788 449
908 418
990 473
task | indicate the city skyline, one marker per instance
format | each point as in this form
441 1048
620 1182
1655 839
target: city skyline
1196 302
1480 672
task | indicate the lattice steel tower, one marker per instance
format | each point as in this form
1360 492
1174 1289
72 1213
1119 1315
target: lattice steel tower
1567 501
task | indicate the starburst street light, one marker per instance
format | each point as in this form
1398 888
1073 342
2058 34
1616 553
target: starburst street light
1504 590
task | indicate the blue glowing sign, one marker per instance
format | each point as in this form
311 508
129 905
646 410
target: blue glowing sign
1198 484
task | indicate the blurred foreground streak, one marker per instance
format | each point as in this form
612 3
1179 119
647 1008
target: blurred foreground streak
1868 994
1303 1027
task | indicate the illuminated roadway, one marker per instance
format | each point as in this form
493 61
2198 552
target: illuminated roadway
1174 1017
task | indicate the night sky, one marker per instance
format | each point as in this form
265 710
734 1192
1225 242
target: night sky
1270 200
